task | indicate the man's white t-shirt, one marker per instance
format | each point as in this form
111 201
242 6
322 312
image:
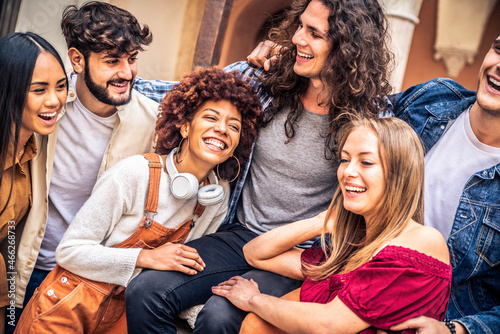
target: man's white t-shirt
448 166
82 140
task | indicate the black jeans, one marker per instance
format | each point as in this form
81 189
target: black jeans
154 298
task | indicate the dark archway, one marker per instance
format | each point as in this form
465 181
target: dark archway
248 24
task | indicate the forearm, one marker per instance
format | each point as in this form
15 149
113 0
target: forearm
153 89
272 310
282 239
301 317
99 263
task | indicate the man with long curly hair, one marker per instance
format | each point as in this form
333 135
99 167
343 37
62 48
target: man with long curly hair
103 121
460 130
333 60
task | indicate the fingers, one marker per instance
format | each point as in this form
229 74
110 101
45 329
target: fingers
254 283
186 255
258 55
219 292
191 253
263 55
222 289
417 322
269 62
232 281
190 263
188 260
227 285
177 257
119 290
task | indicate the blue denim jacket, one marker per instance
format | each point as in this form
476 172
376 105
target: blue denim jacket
474 241
156 89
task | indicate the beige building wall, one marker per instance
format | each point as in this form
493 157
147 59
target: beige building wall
421 63
165 19
43 17
174 23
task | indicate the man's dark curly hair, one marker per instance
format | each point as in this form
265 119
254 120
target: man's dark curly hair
209 84
98 26
356 70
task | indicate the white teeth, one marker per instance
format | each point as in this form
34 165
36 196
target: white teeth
356 189
216 143
50 115
495 82
304 55
119 85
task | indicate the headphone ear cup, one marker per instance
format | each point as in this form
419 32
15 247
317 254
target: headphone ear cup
184 186
210 195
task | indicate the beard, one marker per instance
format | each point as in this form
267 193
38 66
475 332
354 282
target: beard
101 93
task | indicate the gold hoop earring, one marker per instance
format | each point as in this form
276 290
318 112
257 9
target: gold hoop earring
179 151
238 174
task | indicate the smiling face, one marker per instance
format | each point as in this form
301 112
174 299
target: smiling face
46 96
212 135
360 174
488 91
110 77
312 41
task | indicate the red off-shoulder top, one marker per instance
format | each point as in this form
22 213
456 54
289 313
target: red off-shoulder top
395 285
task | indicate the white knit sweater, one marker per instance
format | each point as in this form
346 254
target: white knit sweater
114 211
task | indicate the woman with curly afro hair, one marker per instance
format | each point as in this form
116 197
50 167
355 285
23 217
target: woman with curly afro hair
144 208
198 88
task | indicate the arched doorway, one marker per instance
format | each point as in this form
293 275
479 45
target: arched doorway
248 22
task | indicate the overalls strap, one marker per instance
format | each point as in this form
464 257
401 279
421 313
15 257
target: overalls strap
155 167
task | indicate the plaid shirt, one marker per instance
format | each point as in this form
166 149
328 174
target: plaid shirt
156 89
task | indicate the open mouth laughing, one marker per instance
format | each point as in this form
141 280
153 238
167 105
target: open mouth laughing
215 143
494 84
355 190
304 55
120 85
48 116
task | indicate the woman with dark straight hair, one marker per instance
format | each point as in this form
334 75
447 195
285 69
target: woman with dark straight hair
33 89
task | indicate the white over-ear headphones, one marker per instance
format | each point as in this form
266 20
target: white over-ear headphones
185 185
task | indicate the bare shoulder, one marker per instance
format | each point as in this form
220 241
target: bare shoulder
426 240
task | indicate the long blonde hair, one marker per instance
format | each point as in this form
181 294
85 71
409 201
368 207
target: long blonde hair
350 244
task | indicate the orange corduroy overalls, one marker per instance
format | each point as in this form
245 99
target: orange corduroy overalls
69 303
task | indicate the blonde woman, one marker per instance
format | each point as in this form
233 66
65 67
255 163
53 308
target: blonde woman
378 265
